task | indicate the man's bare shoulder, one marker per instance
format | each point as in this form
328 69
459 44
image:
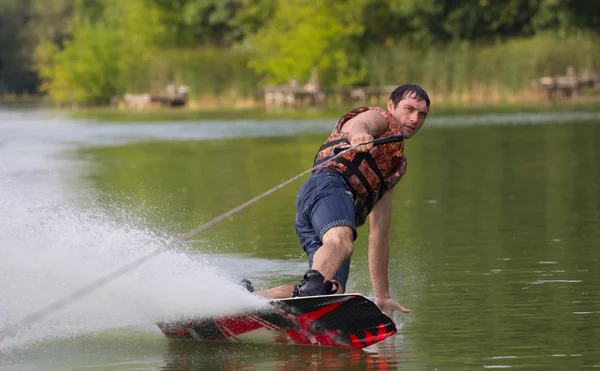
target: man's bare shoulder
375 121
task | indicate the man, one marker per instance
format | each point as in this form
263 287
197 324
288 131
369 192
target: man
337 198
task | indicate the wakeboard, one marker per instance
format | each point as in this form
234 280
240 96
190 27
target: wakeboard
347 320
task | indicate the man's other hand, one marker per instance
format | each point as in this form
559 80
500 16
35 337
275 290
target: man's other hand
358 140
389 306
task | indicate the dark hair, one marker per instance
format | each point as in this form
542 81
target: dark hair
408 90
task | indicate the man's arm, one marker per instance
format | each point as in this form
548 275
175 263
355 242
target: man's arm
379 252
364 127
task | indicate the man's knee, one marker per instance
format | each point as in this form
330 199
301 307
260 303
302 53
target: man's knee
341 238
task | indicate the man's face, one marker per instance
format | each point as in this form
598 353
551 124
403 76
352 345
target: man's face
410 113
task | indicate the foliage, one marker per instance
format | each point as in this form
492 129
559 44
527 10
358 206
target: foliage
192 23
104 57
504 67
16 43
304 35
85 51
208 72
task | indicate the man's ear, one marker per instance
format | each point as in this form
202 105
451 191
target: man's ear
390 105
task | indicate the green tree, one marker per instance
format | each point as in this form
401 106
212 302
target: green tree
14 72
305 35
440 21
214 21
564 15
254 14
585 14
104 57
192 23
23 24
88 50
382 24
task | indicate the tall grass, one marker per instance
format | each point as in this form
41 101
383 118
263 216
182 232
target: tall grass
454 73
211 74
502 71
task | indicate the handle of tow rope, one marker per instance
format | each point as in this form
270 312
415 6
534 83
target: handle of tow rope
376 142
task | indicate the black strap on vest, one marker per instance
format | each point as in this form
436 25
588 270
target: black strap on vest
353 167
327 145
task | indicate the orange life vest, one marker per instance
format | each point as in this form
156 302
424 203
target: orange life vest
368 174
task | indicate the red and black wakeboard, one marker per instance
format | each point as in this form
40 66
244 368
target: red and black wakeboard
348 320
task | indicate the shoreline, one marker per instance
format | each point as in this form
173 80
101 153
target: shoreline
258 112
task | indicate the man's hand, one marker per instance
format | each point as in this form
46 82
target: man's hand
389 306
358 139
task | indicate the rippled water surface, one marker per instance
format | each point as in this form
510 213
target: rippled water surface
494 242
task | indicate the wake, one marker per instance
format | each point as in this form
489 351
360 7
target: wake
48 251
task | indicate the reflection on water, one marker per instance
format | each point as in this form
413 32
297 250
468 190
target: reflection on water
494 245
132 349
191 357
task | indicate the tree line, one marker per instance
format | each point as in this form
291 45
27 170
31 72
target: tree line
90 50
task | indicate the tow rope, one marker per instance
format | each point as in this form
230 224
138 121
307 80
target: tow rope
11 330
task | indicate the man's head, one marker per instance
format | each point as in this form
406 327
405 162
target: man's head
409 104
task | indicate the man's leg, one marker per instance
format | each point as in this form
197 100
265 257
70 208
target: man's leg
279 292
326 227
338 245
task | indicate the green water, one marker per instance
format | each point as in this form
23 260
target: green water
494 236
494 245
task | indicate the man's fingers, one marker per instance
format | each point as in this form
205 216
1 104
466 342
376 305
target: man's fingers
399 308
402 309
362 143
364 147
390 306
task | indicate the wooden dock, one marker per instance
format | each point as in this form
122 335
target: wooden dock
172 96
568 86
306 96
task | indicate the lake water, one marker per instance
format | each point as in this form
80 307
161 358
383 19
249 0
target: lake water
494 242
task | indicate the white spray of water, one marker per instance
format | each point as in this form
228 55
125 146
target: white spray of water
48 251
50 248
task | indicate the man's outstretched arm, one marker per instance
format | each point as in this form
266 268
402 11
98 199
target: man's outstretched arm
363 128
379 252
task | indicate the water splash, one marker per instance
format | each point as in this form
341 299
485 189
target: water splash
47 251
